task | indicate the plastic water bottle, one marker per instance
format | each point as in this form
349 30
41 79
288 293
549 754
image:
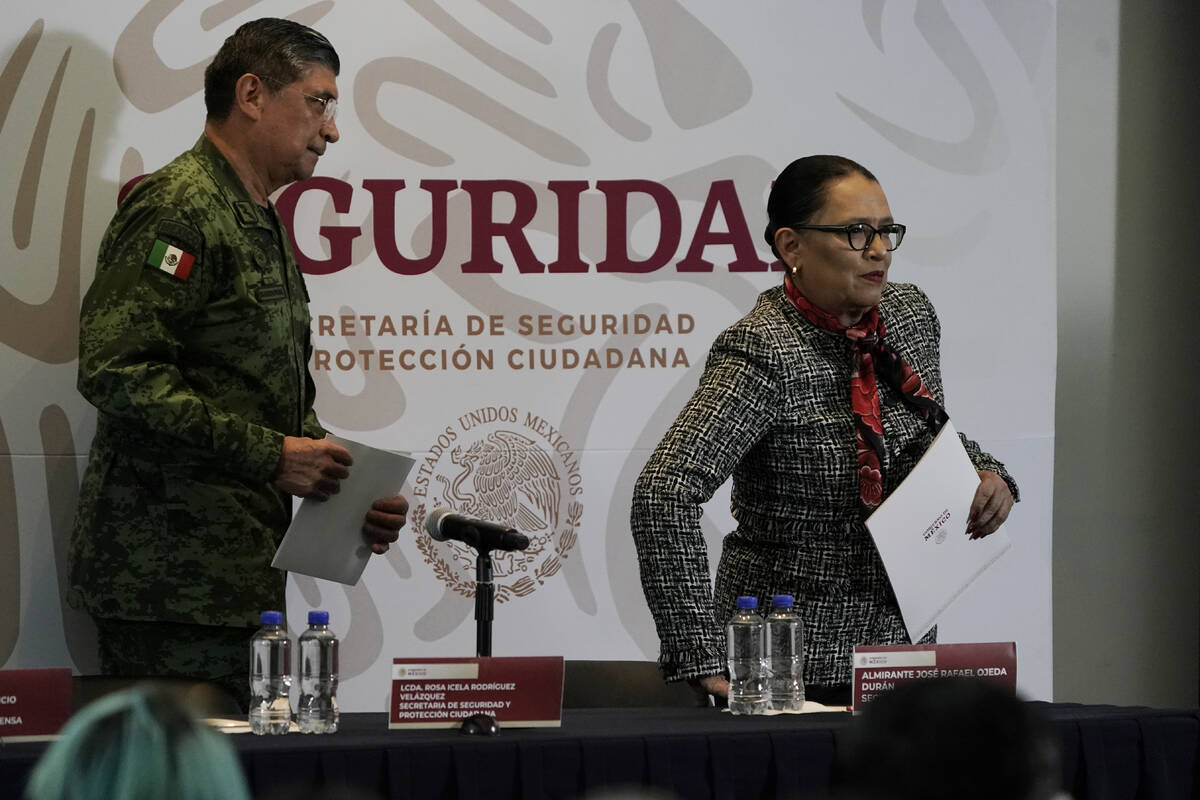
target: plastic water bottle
744 646
785 655
270 676
317 711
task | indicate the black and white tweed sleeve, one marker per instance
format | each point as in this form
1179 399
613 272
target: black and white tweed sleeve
734 405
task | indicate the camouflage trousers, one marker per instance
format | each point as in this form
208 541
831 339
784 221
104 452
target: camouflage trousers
135 649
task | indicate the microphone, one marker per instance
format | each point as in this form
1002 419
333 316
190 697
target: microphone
443 523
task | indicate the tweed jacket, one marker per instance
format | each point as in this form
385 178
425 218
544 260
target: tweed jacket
773 410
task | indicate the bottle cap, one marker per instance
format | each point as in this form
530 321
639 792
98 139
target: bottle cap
747 602
783 601
271 618
318 618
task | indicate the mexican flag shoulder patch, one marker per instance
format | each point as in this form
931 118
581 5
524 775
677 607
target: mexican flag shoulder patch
170 259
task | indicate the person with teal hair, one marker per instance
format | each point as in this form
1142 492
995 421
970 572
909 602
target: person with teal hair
138 744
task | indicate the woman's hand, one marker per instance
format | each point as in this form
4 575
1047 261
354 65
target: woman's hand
715 685
991 505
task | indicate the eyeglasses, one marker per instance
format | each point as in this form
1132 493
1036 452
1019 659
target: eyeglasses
329 105
859 235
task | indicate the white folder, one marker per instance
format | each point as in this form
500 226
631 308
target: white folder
920 531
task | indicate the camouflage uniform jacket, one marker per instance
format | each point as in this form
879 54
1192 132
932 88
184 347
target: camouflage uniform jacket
197 380
773 410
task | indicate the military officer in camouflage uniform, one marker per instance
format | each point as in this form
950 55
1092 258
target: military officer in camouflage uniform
194 346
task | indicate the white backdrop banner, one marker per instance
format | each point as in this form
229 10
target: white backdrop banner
538 217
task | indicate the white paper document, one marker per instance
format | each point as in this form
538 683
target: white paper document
920 532
325 539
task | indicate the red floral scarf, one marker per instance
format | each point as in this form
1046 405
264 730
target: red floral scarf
873 357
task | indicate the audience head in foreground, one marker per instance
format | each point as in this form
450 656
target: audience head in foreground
947 738
139 744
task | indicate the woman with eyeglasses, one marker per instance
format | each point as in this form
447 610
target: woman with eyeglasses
818 402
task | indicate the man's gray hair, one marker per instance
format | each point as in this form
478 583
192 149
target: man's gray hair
277 50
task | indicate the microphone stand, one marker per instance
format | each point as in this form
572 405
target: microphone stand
485 596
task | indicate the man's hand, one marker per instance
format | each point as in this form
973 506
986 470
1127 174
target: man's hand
311 467
991 505
715 685
383 522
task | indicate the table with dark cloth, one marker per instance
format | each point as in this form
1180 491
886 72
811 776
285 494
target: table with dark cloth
1108 752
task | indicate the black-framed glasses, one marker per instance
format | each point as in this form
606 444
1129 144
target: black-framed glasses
859 235
329 105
